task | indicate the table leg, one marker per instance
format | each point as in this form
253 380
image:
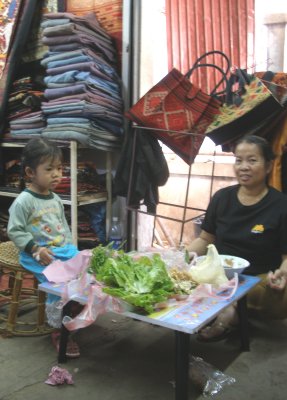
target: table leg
64 335
181 365
243 323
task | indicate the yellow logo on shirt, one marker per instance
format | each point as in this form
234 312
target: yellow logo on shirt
257 229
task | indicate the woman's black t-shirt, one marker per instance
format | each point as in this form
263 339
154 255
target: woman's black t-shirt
257 233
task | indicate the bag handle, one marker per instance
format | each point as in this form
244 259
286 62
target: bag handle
221 70
223 79
241 77
197 62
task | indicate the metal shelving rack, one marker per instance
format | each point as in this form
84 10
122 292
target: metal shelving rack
75 200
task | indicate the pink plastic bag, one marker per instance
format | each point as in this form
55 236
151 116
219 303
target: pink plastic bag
98 303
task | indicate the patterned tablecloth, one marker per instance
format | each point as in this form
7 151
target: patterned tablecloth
188 317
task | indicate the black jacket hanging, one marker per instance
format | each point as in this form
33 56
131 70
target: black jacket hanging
141 169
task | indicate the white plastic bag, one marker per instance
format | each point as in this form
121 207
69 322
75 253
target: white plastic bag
208 269
207 378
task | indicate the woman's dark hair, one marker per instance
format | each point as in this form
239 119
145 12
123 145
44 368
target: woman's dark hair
262 143
37 151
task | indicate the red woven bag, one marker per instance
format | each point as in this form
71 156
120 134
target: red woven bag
175 104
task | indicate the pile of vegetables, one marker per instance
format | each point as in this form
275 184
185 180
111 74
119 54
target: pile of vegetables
141 281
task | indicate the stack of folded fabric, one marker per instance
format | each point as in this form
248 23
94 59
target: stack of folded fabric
25 117
88 237
24 109
88 181
12 173
83 89
4 217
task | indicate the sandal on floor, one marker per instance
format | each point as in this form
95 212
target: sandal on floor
215 332
72 351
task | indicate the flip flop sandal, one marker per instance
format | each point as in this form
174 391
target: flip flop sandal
72 351
215 332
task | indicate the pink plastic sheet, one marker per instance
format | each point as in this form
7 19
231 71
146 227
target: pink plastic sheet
98 303
64 271
79 283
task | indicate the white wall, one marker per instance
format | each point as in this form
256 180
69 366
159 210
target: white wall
271 39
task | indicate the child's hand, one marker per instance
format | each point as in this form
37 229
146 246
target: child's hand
44 256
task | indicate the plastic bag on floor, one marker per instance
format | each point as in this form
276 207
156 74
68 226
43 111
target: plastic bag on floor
207 378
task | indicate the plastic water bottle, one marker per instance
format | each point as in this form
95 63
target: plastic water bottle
115 235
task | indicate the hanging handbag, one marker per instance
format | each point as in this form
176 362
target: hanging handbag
260 103
176 107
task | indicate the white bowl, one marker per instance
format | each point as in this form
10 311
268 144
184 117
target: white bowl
231 264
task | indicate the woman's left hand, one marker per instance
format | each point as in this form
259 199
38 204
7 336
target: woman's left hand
277 279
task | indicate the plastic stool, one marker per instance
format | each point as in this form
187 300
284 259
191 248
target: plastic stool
17 297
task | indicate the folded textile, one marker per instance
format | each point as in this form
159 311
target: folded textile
84 40
68 90
19 126
74 28
92 131
63 59
73 76
35 131
65 47
69 120
89 20
28 120
54 22
52 56
80 66
62 55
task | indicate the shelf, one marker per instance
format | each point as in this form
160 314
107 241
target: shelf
87 199
8 194
22 143
81 199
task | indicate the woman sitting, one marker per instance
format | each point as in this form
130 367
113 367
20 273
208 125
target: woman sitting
249 220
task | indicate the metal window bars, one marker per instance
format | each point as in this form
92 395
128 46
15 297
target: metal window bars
185 207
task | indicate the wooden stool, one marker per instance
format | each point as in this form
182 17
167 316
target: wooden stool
16 297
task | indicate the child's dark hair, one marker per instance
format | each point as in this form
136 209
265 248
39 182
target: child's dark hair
37 151
262 143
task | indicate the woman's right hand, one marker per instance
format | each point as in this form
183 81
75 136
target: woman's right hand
191 257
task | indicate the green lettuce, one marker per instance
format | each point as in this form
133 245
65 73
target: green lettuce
141 281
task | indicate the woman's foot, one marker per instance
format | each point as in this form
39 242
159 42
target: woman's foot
72 350
225 323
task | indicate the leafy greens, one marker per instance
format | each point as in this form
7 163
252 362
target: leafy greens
141 281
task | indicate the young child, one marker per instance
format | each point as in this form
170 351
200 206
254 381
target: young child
37 223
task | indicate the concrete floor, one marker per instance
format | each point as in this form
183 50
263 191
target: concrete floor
122 359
